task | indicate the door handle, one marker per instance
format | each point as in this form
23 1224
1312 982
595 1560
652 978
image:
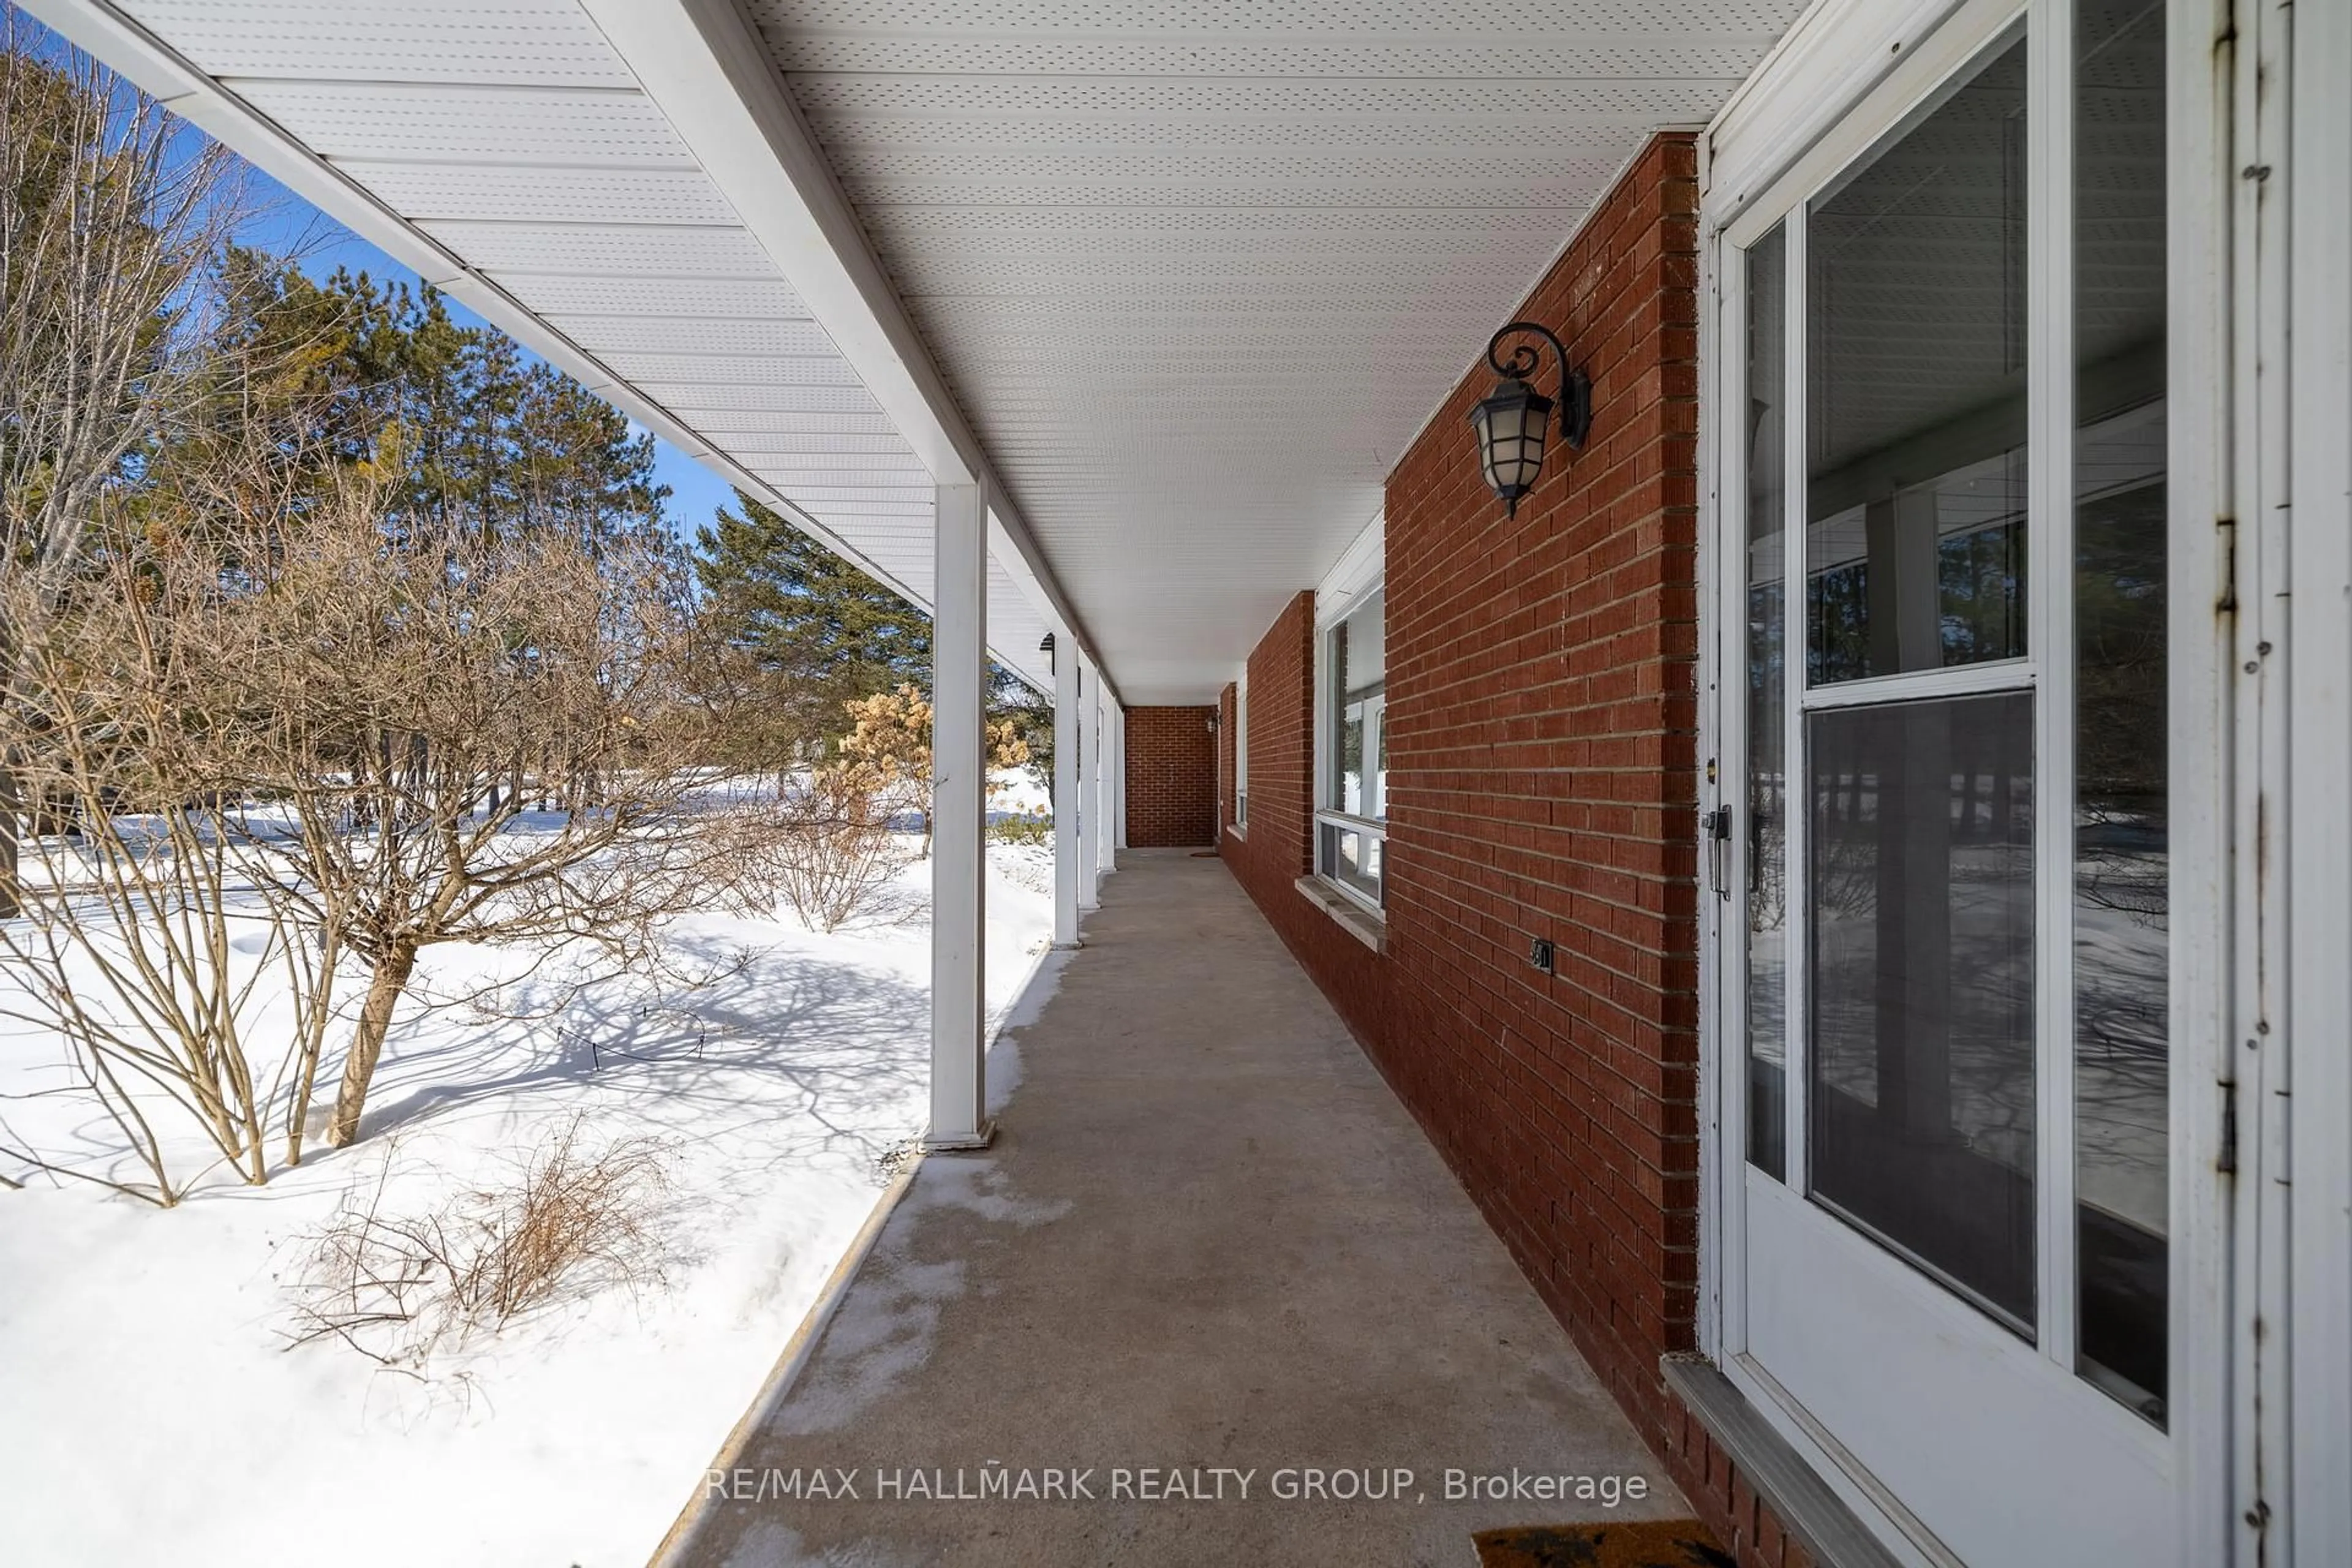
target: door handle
1716 828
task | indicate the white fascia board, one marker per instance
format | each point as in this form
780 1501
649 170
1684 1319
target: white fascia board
708 73
712 76
162 72
1804 85
1006 547
1011 552
1362 563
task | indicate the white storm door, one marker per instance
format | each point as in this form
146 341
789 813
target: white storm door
1945 1035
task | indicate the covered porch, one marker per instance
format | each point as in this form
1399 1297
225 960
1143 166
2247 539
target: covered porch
1209 1250
1597 837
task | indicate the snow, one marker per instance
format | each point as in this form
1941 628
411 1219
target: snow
154 1413
1015 792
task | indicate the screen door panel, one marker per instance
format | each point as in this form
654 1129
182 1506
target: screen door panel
1922 1066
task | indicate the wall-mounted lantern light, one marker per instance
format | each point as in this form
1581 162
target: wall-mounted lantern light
1516 419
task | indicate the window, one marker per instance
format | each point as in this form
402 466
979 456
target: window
1241 754
1351 793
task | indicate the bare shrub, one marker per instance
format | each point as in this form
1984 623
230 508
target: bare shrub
312 727
397 689
823 846
571 1222
139 940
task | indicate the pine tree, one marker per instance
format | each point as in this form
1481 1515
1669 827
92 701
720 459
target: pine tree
820 632
488 438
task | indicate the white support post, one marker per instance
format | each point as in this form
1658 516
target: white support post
1119 780
1069 792
958 814
1087 798
1106 798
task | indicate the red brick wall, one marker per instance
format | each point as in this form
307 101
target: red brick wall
1280 846
1542 714
1281 753
1228 782
1720 1494
1171 777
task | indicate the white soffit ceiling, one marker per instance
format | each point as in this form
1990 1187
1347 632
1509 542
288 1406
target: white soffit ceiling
510 134
1198 270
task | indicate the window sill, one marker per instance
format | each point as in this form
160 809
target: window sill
1235 830
1358 921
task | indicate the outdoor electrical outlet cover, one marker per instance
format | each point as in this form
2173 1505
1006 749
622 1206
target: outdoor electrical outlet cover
1539 954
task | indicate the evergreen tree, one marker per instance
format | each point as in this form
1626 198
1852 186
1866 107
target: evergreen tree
820 632
487 439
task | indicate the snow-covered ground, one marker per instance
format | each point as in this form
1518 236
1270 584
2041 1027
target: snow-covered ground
151 1411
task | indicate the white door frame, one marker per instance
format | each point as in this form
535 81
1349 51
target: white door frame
1808 112
2320 682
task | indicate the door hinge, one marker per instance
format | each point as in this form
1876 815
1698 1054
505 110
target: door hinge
2228 601
2228 1164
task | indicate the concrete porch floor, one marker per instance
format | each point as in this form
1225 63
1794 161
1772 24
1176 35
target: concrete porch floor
1207 1237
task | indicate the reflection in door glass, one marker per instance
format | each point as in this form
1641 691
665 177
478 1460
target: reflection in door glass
1920 1102
1767 812
1914 500
2122 893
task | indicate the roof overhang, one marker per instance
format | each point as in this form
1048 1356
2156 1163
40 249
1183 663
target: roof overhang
802 217
1177 284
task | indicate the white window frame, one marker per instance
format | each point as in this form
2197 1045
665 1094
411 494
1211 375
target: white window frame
1239 827
1359 574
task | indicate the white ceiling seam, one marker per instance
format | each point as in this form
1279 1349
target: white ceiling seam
611 268
428 193
1431 20
446 41
394 122
655 251
678 298
1502 57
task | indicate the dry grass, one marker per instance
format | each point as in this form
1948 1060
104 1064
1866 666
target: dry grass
574 1222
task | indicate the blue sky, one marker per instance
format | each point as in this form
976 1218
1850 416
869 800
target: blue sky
290 225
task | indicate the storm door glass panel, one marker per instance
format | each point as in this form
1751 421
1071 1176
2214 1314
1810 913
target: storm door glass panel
1920 1095
1767 812
2122 873
1916 427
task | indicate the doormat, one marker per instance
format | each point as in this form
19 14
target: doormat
1648 1543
